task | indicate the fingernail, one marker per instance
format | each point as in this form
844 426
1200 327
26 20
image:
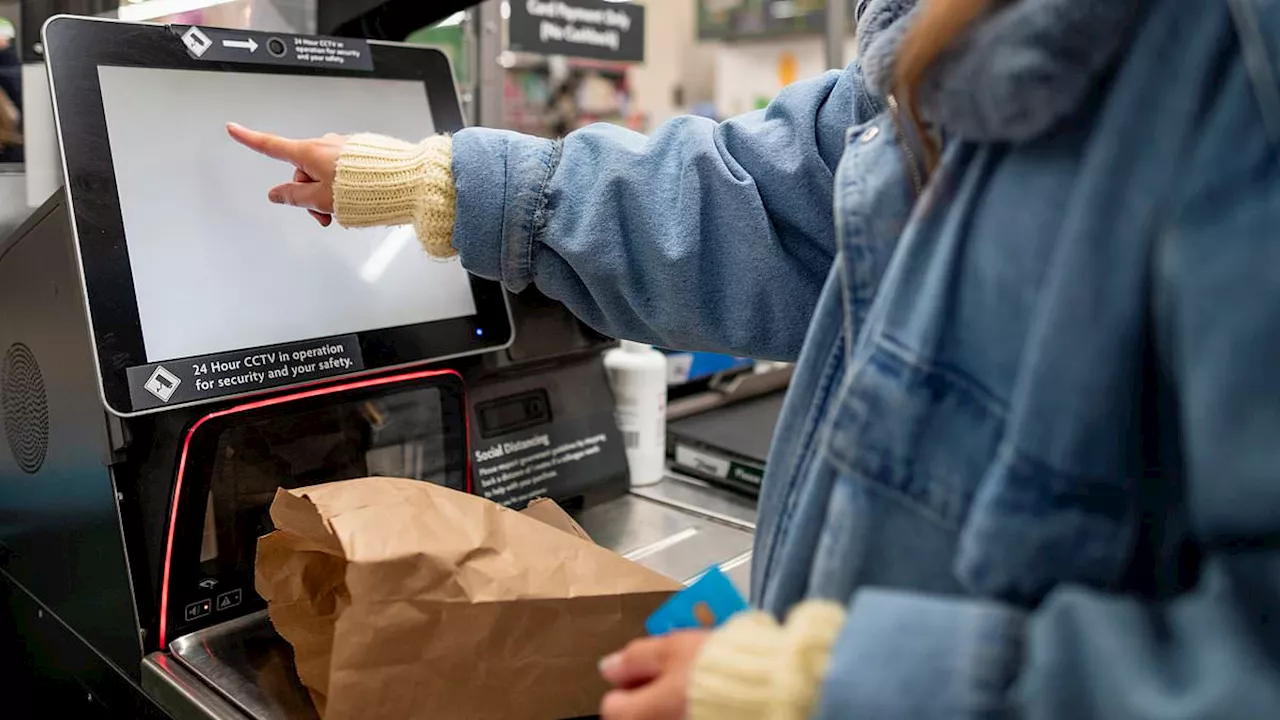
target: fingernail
275 197
610 663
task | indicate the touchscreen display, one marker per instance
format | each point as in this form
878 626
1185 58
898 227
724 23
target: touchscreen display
215 266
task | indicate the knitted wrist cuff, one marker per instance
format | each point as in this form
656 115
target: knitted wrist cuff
382 181
755 669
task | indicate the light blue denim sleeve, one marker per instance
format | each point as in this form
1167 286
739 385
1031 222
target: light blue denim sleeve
713 236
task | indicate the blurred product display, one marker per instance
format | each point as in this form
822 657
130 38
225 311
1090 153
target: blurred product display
539 104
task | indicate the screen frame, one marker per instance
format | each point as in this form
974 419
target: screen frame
75 47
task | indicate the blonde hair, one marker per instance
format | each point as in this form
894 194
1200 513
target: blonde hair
937 25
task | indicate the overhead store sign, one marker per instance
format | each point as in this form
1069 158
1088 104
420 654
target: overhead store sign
754 19
578 28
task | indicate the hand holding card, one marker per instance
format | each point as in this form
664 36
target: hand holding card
704 605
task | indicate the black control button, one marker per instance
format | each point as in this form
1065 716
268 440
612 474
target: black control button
228 600
197 610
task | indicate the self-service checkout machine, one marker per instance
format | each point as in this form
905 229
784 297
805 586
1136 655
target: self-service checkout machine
173 349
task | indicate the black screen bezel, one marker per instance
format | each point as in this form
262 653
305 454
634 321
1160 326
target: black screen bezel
75 48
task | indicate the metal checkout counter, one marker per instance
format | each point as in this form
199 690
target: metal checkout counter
173 349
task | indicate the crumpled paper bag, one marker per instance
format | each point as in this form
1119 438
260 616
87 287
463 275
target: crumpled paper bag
404 599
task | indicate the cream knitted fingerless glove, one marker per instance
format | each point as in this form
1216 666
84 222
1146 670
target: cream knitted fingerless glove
382 181
755 669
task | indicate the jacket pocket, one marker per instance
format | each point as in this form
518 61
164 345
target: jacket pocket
923 433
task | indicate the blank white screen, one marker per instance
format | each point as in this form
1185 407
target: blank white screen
215 266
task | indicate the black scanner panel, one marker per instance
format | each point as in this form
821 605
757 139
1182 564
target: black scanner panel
234 461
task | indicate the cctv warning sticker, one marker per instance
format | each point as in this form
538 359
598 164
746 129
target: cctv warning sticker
184 381
245 46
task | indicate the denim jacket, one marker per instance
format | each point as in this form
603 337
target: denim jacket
1033 439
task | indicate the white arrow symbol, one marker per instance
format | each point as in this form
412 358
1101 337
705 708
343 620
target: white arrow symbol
249 44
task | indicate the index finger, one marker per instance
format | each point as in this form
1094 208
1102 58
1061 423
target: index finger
273 146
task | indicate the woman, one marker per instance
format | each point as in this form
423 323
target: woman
1028 463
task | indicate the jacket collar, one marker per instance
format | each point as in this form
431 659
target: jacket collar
1018 72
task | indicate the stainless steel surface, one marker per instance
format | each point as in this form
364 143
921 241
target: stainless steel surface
837 28
180 693
670 540
250 665
678 527
697 497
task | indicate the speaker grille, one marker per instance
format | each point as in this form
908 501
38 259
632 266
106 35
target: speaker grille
25 408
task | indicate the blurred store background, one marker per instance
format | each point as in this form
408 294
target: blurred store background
715 58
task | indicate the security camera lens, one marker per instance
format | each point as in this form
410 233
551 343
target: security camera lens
276 47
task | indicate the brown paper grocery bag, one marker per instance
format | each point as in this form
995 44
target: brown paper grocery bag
403 599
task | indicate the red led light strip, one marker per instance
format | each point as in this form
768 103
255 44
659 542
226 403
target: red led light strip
186 446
